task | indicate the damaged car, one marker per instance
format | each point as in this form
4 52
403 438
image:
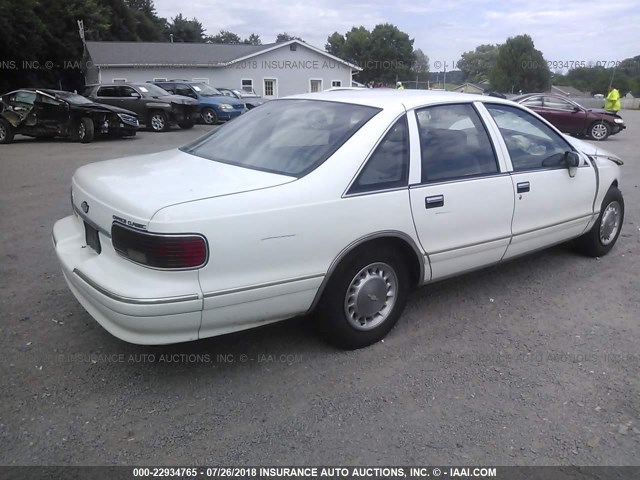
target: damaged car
44 113
157 108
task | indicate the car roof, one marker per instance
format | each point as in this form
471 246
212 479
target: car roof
389 97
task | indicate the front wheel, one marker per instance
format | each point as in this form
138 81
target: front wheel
605 232
599 131
158 121
83 131
6 131
209 116
364 298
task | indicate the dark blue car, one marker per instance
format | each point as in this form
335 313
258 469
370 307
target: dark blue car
214 106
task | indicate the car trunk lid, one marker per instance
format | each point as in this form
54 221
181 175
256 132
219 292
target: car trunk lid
131 190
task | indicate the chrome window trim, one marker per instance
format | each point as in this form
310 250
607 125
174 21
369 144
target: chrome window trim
131 300
229 291
461 179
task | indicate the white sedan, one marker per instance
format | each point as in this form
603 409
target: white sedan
335 203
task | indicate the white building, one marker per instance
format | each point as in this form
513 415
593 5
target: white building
273 70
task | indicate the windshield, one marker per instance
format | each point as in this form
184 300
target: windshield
152 90
205 90
288 137
73 98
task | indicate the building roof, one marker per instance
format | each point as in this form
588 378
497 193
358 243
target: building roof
167 54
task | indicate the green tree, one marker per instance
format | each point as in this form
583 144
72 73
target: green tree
285 37
390 54
420 67
184 30
477 64
519 66
335 44
224 36
253 39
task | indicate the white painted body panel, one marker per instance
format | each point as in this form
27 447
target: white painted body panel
273 239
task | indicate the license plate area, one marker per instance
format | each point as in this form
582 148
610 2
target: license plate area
92 238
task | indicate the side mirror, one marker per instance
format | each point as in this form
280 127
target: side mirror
576 109
572 161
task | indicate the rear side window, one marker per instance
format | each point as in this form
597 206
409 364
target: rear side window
388 167
109 92
454 143
288 137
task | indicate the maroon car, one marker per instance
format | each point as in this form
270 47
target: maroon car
569 117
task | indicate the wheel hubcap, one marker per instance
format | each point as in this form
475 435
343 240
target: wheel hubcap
81 131
371 296
208 117
3 132
598 131
157 122
610 223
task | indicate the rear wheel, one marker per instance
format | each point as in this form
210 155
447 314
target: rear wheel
6 131
158 121
599 130
364 297
209 116
83 131
605 232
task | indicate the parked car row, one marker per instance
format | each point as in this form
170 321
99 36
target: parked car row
117 110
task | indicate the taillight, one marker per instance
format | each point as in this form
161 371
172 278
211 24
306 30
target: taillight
159 250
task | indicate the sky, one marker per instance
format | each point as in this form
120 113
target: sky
564 30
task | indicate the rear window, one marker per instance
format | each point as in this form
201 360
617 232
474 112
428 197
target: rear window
288 137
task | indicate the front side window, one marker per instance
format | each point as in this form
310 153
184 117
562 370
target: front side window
182 89
128 92
531 144
388 167
454 143
288 137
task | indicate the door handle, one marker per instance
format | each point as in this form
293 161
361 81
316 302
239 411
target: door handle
434 201
523 187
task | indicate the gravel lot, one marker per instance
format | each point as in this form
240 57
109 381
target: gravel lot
535 362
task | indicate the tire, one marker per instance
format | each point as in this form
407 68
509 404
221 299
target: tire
6 131
351 313
83 131
604 234
158 121
186 125
599 131
209 116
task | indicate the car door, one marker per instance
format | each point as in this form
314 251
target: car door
551 206
564 115
21 108
462 200
132 100
52 113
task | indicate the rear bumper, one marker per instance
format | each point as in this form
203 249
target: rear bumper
141 309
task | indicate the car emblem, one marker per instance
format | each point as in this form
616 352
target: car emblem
373 297
85 207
